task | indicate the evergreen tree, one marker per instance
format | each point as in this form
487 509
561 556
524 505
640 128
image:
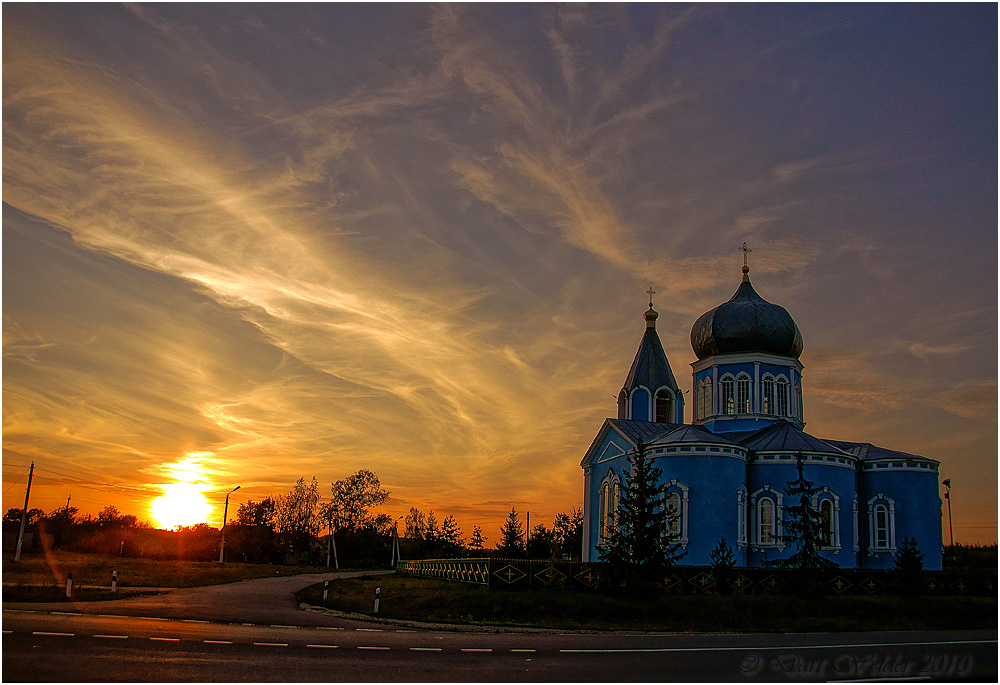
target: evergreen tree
511 536
639 546
540 543
567 531
451 538
415 526
478 540
432 532
909 567
722 556
803 527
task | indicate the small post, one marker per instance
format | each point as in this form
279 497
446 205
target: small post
69 584
114 581
326 589
378 591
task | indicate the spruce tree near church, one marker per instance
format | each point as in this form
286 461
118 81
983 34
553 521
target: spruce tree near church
639 543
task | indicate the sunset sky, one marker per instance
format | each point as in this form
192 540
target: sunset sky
244 244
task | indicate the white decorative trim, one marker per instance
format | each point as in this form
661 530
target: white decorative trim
857 543
741 517
746 358
880 500
777 528
827 495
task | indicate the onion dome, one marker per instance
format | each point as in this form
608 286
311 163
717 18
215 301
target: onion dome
747 323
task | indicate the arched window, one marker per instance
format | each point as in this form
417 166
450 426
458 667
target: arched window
782 399
743 394
765 521
664 406
673 504
728 399
605 501
769 394
881 518
826 522
615 501
709 399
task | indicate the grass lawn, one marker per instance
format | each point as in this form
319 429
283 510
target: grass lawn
95 569
432 600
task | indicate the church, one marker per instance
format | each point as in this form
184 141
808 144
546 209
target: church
725 473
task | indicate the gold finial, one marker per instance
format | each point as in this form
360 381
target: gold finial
746 250
651 293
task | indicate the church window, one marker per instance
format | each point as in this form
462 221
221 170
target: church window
826 522
728 400
741 517
664 406
708 399
743 394
881 527
605 506
765 519
615 500
782 399
674 507
769 394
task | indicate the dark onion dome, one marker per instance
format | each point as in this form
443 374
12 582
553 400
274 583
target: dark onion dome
747 323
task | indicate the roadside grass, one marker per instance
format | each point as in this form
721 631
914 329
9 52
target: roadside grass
52 568
421 599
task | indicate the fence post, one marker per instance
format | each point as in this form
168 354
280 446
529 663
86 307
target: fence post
69 584
326 589
378 591
114 581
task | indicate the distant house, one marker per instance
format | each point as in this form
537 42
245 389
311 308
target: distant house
726 472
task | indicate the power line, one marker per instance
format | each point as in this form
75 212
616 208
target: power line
14 483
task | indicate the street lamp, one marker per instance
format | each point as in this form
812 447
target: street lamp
395 542
947 495
225 514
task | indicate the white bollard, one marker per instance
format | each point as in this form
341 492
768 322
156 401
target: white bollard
114 581
69 584
326 589
378 591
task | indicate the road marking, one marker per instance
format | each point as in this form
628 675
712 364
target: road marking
382 648
108 616
860 645
323 646
193 620
476 649
115 637
65 613
278 625
246 624
523 650
405 631
369 630
425 649
327 628
43 632
166 639
7 632
271 644
217 642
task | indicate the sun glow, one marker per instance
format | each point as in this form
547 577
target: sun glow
183 503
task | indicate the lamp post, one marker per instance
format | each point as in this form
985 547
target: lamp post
947 495
225 514
395 542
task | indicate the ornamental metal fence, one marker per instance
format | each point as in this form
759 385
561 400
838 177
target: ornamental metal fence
536 574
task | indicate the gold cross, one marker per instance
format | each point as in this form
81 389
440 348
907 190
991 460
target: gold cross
651 293
746 250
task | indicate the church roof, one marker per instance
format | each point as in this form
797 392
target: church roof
746 323
866 450
650 367
648 431
687 433
782 436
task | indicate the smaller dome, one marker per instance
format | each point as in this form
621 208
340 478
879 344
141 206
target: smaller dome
650 316
746 323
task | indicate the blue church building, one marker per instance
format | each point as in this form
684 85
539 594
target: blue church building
725 473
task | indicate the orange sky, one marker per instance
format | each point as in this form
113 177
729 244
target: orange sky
304 240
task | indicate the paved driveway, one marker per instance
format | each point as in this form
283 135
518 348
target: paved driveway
262 601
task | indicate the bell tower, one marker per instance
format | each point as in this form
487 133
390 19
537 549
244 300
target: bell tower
650 392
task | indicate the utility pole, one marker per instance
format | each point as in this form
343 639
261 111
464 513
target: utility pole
947 495
527 531
225 513
24 514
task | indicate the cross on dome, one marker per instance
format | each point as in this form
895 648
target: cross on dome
745 250
651 293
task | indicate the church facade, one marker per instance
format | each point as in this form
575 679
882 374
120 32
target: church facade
725 473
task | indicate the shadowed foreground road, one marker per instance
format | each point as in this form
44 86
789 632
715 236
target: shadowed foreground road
253 632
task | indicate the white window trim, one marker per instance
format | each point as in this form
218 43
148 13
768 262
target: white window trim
768 378
741 518
817 501
609 482
782 388
673 403
777 534
673 485
723 409
890 506
857 542
744 377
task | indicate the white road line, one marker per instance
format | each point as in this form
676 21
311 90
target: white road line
7 632
247 624
327 628
166 639
381 648
271 644
425 649
523 650
43 632
114 637
193 620
108 616
66 613
405 631
476 649
860 645
369 630
217 642
323 646
278 625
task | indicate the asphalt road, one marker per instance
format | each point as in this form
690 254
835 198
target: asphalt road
254 632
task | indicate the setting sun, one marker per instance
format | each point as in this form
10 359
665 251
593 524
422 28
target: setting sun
183 503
